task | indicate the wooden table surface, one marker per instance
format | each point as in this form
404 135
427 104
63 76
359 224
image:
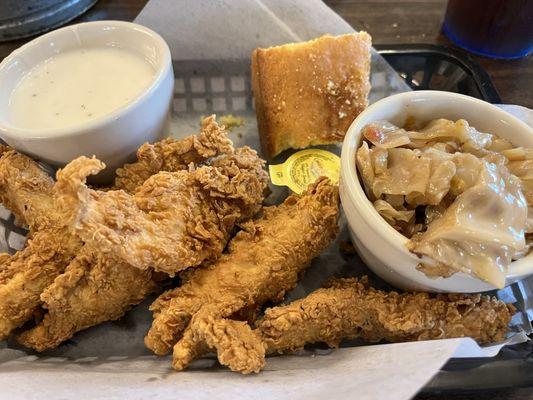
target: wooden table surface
419 21
389 22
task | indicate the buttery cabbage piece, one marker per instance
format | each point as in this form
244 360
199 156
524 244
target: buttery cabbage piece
392 215
386 135
464 198
482 230
408 171
524 171
441 172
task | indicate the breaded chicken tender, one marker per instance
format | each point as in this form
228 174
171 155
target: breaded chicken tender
74 304
28 191
25 189
173 155
349 308
97 286
263 261
29 272
93 289
175 220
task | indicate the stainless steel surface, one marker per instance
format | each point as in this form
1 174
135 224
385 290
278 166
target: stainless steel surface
22 18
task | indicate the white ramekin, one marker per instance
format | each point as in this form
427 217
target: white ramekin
112 138
380 246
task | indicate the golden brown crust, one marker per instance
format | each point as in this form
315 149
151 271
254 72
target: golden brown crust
173 155
351 309
309 93
77 284
174 220
262 262
260 107
28 191
93 289
25 189
30 271
40 272
84 286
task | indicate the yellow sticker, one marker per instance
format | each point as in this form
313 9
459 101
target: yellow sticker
304 167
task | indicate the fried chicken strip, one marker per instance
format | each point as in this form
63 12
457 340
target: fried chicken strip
104 288
25 189
175 220
263 261
28 191
29 272
349 308
173 155
93 289
99 285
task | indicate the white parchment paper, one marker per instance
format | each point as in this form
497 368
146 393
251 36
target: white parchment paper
211 43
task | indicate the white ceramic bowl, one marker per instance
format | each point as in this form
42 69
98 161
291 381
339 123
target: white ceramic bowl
114 137
381 246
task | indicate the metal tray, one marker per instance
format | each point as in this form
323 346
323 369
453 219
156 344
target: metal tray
440 68
225 88
20 19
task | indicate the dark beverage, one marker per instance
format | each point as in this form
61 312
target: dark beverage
494 28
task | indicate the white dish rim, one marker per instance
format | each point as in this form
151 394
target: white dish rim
99 122
367 211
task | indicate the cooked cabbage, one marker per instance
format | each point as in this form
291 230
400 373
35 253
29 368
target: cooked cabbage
386 135
443 130
392 215
407 172
431 213
463 197
529 222
364 166
524 170
442 170
379 158
445 147
466 172
395 200
500 144
518 154
483 228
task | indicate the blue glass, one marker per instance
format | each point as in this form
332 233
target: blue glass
493 28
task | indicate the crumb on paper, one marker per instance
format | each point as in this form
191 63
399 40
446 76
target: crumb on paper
332 88
410 123
435 271
346 247
230 121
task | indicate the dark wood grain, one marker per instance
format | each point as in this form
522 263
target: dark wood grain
125 10
389 22
510 394
419 21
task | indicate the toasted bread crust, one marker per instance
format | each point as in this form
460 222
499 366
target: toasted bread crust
309 93
267 145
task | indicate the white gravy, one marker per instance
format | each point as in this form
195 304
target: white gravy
78 86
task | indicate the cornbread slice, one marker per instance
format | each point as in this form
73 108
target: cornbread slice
309 93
